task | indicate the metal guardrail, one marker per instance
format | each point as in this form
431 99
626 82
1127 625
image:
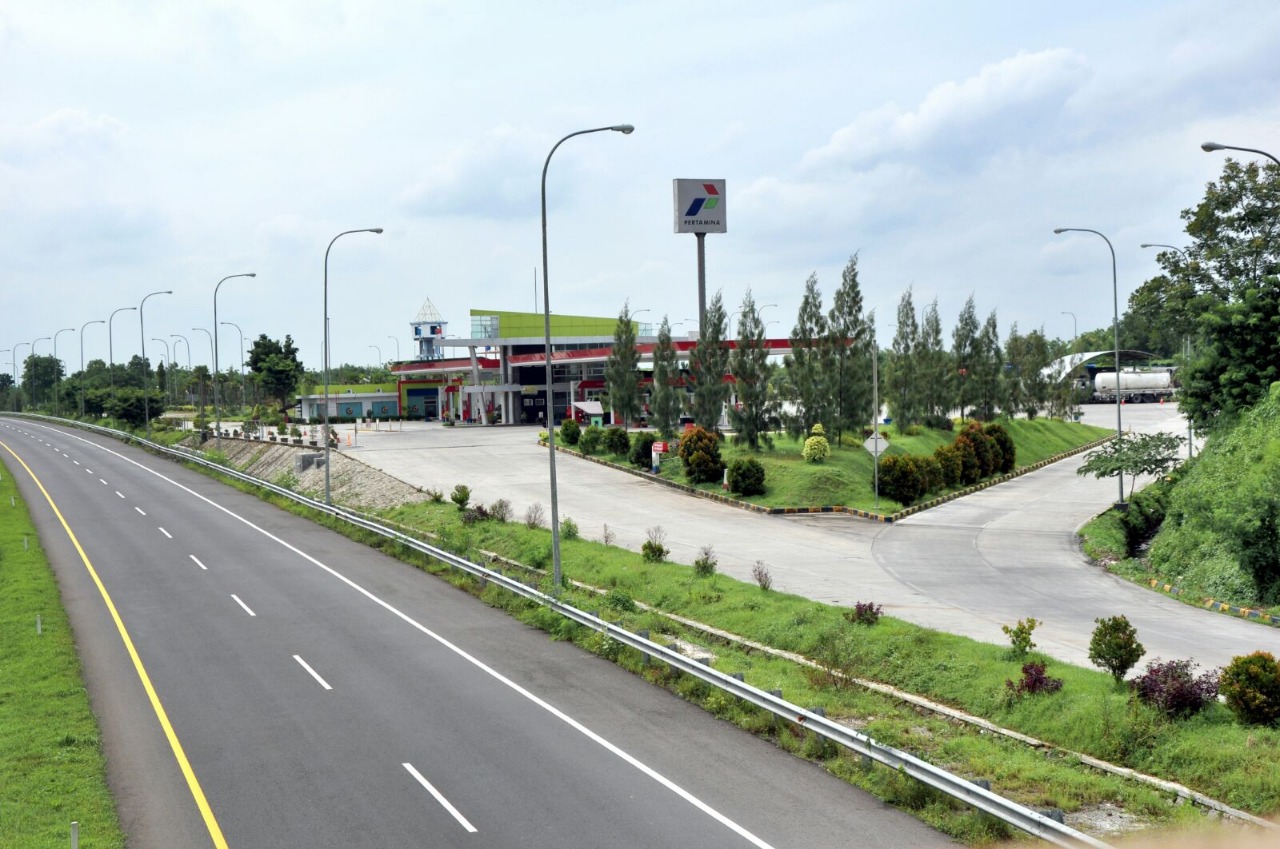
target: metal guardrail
962 790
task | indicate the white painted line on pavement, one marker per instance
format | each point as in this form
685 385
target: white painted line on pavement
119 493
196 560
104 483
140 511
245 606
444 803
166 533
77 462
323 683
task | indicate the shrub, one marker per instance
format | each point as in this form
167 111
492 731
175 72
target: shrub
568 528
642 450
864 613
607 536
1174 689
475 514
930 471
1008 451
570 432
942 423
617 442
983 449
746 476
591 440
534 517
461 495
1020 636
1114 646
970 469
501 510
900 479
435 495
949 465
654 550
700 453
761 575
816 448
620 601
1034 681
1251 686
704 565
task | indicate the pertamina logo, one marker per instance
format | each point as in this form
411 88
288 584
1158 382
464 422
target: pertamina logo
704 204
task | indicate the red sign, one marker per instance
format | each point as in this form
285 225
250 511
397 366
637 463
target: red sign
660 447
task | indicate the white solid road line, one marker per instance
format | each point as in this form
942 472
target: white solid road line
196 560
246 609
323 683
440 798
166 533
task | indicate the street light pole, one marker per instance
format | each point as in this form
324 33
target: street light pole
217 413
379 350
210 335
82 374
241 332
15 372
325 412
397 341
1115 307
625 129
35 367
168 371
142 337
111 349
1075 327
57 377
1210 147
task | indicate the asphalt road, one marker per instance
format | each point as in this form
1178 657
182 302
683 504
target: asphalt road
311 692
966 567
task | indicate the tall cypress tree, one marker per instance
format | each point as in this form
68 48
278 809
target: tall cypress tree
903 381
749 364
665 399
807 364
988 363
849 351
708 364
963 339
621 370
933 366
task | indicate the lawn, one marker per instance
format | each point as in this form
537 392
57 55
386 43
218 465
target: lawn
846 478
52 769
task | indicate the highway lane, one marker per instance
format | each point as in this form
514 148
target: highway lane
326 695
966 567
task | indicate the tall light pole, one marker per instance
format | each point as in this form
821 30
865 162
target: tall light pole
325 412
14 387
168 371
35 367
1075 327
379 350
1210 147
57 369
397 341
217 413
625 129
111 350
15 372
241 332
175 337
142 338
1115 321
210 335
82 374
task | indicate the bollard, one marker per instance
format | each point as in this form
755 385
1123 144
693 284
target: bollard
75 835
39 626
24 543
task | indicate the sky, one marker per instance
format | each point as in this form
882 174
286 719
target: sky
154 146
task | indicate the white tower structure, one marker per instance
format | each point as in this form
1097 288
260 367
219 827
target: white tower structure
428 329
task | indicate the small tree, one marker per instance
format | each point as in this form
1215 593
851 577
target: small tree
1114 646
1251 686
1020 636
816 448
460 496
1133 454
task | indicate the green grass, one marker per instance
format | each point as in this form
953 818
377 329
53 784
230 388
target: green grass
846 477
1211 753
51 764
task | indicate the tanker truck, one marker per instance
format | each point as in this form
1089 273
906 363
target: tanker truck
1135 386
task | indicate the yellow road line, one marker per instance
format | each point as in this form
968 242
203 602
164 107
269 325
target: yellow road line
211 822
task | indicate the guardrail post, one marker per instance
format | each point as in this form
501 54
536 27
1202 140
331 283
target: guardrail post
644 655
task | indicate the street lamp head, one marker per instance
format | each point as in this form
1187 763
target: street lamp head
1210 147
251 274
375 230
1146 245
1059 230
625 129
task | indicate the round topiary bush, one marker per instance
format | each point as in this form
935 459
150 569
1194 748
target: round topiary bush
949 465
591 440
700 453
900 479
746 476
816 448
1008 451
642 450
1251 686
570 432
617 442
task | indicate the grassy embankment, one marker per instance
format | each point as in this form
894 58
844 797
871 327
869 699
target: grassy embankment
51 764
846 477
